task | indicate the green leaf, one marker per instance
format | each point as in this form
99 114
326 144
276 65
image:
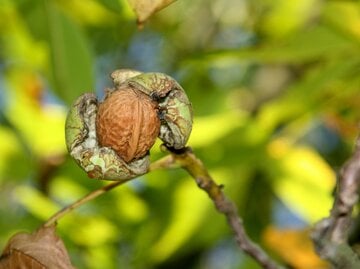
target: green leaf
345 17
71 59
14 162
311 90
305 45
113 5
190 208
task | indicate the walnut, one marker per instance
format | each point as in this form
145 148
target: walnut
111 140
127 121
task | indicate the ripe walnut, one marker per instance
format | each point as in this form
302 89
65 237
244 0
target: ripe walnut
127 121
111 139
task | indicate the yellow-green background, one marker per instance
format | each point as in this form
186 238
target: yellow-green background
275 91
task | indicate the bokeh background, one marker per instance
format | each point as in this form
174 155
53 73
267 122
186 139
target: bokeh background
275 91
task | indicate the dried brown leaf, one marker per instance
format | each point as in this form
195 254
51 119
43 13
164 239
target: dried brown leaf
38 250
145 8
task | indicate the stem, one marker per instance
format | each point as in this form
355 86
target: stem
162 163
90 196
188 161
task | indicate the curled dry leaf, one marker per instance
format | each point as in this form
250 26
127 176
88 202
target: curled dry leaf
38 250
145 8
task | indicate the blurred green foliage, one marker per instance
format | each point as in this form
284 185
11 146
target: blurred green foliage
275 91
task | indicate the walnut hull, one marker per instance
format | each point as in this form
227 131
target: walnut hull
127 121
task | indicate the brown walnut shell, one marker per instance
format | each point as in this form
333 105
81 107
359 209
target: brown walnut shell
127 121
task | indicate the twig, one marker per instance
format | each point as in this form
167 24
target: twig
188 161
90 196
197 170
330 235
162 163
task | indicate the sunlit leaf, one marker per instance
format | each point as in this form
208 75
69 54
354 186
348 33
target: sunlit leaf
66 190
284 17
35 202
304 181
89 12
129 206
103 256
206 129
92 231
42 127
345 15
16 40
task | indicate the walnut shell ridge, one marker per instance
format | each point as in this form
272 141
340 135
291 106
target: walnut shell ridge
127 121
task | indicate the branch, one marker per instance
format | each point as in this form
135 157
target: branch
197 170
188 161
330 235
162 163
